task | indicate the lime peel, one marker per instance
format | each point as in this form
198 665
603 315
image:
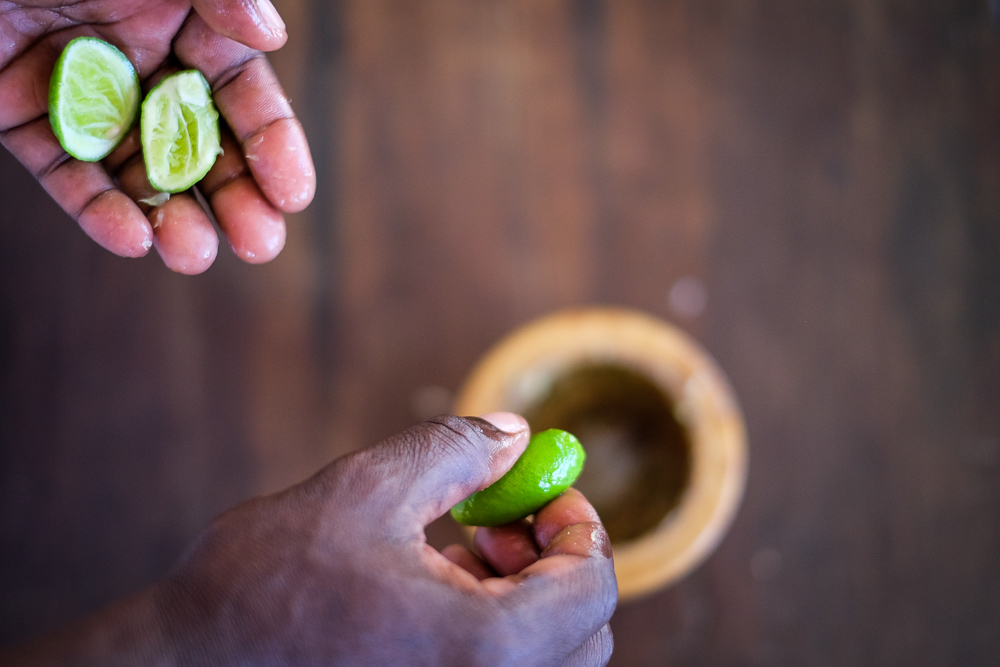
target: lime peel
159 199
549 465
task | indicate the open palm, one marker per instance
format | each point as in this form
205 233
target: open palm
265 169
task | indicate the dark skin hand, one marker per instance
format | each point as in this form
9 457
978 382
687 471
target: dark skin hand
266 168
337 570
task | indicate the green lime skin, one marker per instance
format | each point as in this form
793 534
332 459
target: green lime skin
549 465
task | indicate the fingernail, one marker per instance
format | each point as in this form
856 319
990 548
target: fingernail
508 422
270 16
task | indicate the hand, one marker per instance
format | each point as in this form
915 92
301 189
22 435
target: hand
266 167
337 570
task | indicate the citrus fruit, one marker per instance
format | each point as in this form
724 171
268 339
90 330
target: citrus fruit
93 98
180 131
549 465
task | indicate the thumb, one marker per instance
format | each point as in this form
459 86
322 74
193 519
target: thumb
425 470
254 23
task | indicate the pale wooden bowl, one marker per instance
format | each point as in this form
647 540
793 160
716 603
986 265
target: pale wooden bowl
664 435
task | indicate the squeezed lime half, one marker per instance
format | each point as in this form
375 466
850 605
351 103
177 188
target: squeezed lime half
93 98
549 465
180 131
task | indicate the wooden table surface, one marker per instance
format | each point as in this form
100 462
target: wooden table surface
812 189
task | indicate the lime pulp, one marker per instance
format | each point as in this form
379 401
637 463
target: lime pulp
180 131
93 98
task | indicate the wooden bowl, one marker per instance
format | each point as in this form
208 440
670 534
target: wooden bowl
665 440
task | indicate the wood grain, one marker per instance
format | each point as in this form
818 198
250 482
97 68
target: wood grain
810 188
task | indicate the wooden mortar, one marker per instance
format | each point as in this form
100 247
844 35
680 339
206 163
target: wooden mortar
665 441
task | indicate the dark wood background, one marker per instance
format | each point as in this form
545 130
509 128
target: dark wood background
828 171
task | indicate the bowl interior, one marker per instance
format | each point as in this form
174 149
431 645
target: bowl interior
638 456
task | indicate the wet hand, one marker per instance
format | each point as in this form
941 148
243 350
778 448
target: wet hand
266 169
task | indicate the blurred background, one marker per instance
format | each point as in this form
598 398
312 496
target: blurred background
810 188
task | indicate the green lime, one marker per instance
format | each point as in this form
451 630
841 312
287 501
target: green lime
93 98
549 465
180 131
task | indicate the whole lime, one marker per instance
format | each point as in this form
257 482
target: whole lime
549 465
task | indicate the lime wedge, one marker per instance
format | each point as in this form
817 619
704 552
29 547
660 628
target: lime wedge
180 131
93 98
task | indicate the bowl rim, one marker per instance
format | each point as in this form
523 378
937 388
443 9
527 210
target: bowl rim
519 368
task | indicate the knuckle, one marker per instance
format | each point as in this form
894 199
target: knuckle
451 436
457 428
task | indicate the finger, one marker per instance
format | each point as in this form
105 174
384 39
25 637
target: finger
254 228
24 83
184 236
419 474
594 652
570 525
508 549
183 233
468 561
570 592
84 190
255 23
249 97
